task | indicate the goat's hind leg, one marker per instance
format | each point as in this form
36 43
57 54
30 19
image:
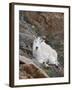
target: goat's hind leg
45 64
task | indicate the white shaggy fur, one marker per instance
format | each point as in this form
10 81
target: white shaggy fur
44 53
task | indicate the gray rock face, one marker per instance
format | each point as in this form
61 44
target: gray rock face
25 40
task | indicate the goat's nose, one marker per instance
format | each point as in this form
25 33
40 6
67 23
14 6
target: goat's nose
36 48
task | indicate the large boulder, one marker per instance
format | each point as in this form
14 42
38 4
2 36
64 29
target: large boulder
28 69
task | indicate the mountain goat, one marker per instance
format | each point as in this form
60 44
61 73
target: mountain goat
44 53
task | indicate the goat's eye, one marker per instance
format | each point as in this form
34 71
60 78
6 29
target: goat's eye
36 48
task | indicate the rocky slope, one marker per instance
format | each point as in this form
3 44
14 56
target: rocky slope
46 24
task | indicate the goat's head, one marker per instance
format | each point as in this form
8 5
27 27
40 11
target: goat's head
37 42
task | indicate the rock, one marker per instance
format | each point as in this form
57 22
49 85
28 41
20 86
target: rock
25 40
25 59
31 71
54 71
21 52
23 74
31 68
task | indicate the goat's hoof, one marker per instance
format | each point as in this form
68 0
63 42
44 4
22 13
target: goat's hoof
47 66
56 66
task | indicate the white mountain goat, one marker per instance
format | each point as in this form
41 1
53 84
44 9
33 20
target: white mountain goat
44 53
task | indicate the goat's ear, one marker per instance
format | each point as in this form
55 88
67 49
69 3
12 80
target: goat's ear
43 40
